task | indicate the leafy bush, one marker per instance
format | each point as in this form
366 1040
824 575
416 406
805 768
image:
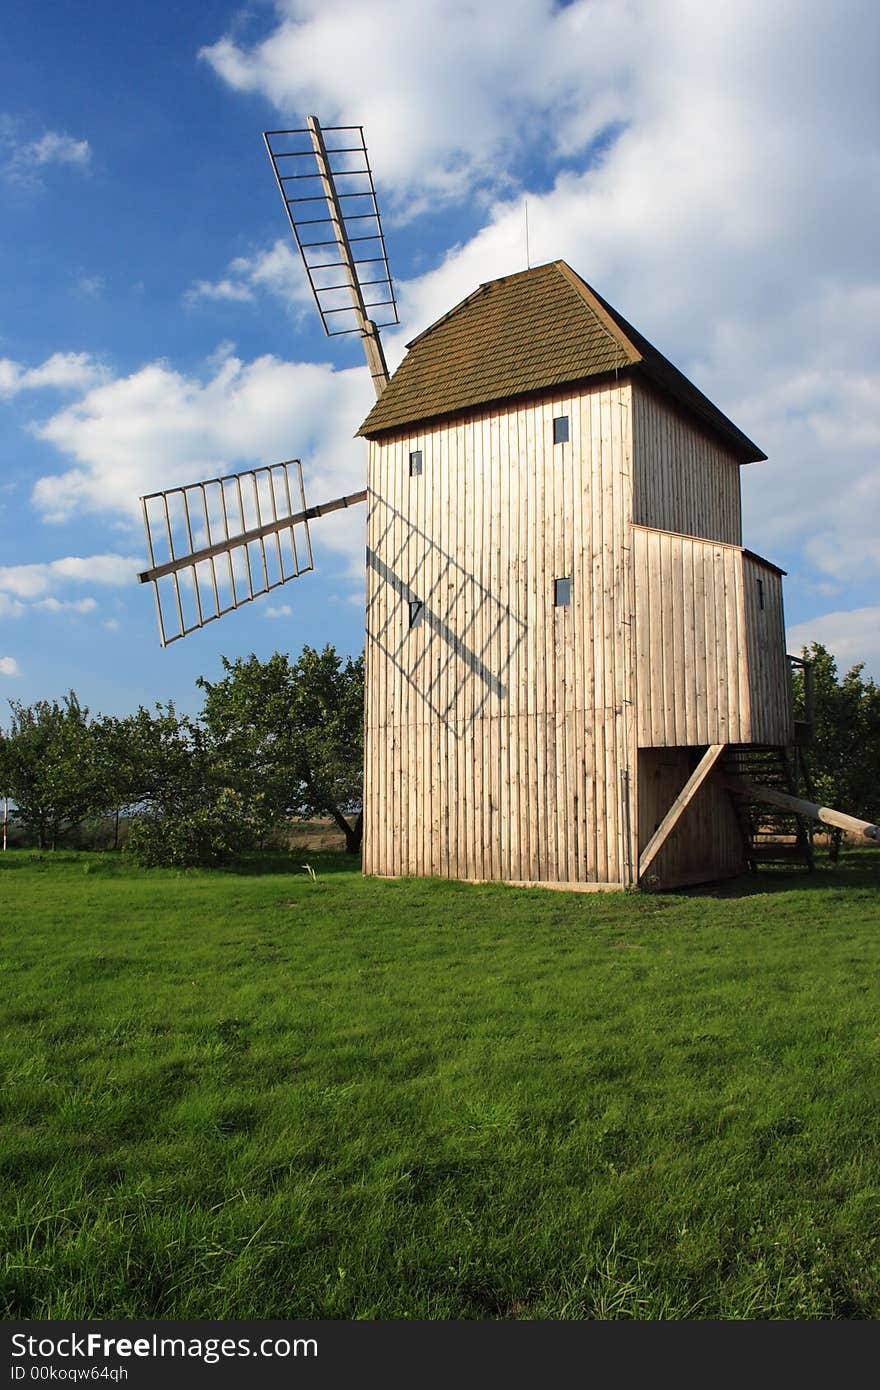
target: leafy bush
198 837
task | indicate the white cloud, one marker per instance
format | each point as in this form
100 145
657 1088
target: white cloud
851 637
454 90
88 286
235 291
10 375
10 607
276 270
63 371
27 159
112 624
283 610
38 581
54 147
158 428
9 666
55 605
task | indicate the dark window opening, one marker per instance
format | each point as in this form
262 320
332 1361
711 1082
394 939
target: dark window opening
416 612
560 429
760 593
415 463
561 593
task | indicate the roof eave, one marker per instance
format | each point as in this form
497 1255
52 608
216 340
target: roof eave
722 427
552 388
762 560
744 448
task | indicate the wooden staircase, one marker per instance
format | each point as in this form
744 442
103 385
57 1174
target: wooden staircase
771 835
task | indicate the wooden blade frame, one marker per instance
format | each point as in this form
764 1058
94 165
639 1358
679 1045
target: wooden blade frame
255 522
335 221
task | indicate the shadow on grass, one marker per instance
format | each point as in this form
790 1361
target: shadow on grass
323 861
856 868
115 862
23 857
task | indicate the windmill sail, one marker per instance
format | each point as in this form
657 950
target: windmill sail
220 543
330 200
217 544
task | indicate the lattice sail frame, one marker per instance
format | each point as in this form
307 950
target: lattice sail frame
254 522
343 250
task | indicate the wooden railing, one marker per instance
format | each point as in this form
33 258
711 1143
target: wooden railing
805 727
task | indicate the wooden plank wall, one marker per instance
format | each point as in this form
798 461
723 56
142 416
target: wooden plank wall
707 842
498 740
769 679
710 661
692 677
683 480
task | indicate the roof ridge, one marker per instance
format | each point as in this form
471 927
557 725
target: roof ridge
529 270
599 307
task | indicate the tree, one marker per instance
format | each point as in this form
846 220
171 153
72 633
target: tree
163 773
157 758
5 783
55 767
293 733
844 757
155 761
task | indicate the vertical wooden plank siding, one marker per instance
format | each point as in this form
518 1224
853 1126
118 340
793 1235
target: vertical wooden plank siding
499 743
683 479
692 663
768 676
710 661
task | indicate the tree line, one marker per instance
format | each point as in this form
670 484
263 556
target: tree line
274 740
278 740
843 758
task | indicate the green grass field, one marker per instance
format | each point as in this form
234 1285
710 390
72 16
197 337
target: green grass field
257 1095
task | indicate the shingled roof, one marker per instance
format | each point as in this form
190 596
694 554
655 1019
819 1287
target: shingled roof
539 329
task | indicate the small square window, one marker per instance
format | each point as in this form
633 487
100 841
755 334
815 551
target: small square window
561 593
416 612
415 463
560 429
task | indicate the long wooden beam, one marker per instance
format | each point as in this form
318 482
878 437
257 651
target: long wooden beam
679 806
283 523
373 349
803 808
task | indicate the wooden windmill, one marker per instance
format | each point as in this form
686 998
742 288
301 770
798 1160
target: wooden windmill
574 669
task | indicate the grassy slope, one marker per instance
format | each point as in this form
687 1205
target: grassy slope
254 1095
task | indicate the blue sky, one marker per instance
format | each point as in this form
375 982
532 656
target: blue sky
715 175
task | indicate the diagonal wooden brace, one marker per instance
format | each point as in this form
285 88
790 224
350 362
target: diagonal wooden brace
679 806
